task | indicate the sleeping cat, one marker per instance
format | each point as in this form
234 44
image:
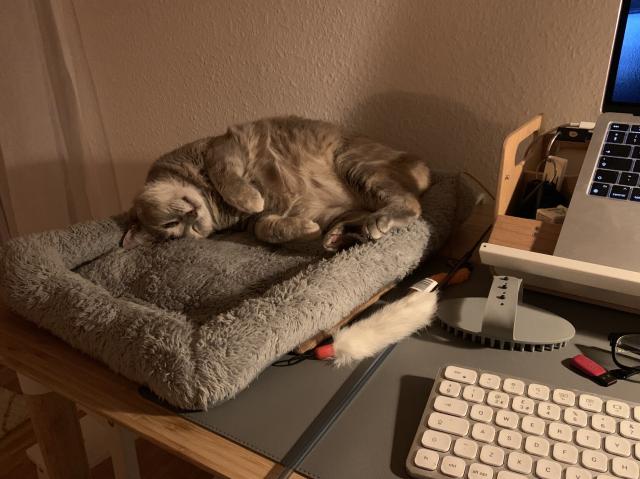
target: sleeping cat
284 179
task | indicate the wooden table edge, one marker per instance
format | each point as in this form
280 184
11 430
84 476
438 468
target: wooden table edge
36 353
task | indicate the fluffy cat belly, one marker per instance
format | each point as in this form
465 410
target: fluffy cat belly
324 204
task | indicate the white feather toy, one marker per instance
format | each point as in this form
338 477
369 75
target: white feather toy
388 325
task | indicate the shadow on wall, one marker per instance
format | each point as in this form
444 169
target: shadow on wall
435 128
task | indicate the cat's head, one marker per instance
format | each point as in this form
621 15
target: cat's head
168 209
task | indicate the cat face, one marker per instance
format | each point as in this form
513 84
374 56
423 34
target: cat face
168 209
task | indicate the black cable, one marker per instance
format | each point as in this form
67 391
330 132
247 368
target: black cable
463 260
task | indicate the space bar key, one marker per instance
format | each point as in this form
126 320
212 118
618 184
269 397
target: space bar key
450 424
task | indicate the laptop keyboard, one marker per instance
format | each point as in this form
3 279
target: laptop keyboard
617 174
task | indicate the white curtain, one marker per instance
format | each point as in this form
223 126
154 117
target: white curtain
55 164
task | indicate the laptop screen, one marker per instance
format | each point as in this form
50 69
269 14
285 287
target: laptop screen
623 85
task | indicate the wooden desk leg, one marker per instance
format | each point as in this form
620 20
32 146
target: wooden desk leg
57 429
124 457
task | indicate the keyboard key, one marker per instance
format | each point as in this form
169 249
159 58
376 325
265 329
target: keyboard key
632 139
612 149
625 468
450 424
498 399
618 127
636 154
538 391
533 425
492 455
564 397
510 439
617 409
612 163
452 406
594 460
575 417
600 189
465 448
565 453
615 137
538 446
603 423
489 381
452 466
590 403
435 440
460 375
606 176
549 411
560 432
483 432
577 473
523 405
481 413
507 419
590 439
449 388
617 445
635 196
479 471
636 413
629 179
519 462
473 394
620 192
637 452
513 386
426 459
630 429
546 469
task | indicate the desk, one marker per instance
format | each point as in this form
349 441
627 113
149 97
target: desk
372 438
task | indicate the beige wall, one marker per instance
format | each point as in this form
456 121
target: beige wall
446 79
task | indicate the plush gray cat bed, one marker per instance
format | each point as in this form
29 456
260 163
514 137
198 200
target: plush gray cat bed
196 321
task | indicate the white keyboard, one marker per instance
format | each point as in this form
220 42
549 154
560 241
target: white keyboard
486 425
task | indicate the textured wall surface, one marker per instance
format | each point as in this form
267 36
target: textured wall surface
444 79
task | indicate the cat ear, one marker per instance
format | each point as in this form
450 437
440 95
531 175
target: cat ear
135 237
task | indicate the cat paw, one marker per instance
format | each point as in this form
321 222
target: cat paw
310 230
249 201
377 226
342 236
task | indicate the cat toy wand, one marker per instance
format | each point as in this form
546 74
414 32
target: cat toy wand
398 319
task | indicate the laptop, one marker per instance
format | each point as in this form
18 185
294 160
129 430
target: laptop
602 225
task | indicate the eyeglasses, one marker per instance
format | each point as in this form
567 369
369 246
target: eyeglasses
625 348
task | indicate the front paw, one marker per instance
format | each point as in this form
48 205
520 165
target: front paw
246 199
376 226
309 230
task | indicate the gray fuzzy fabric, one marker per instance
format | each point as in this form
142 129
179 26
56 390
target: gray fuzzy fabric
197 320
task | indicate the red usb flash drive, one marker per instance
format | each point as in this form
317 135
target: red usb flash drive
593 370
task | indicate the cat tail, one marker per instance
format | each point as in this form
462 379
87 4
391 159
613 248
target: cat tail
388 325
